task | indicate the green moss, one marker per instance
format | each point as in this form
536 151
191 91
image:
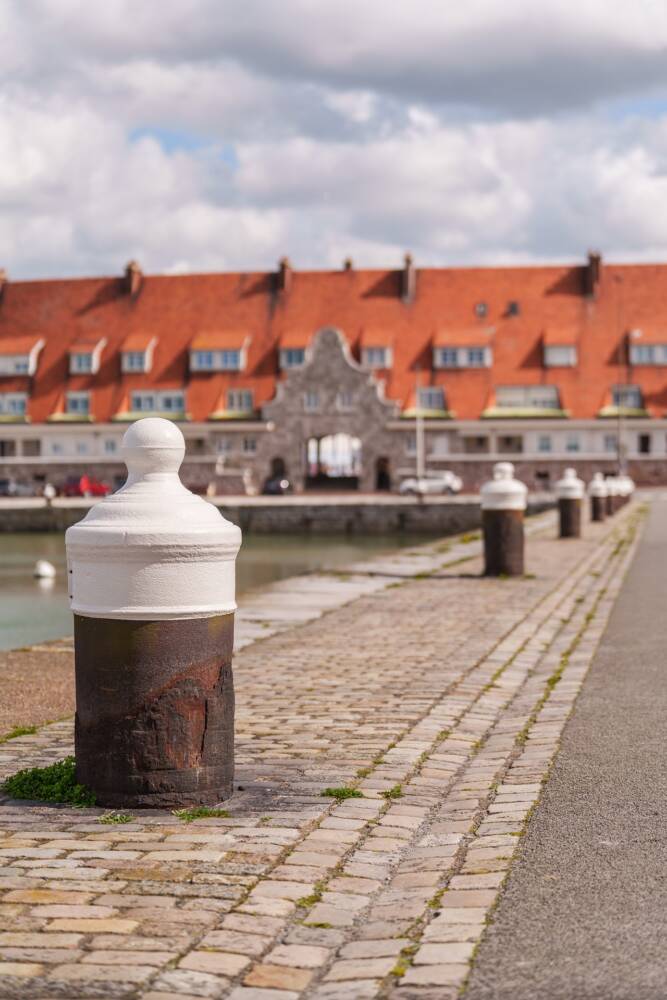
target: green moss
363 772
469 536
55 783
340 794
200 812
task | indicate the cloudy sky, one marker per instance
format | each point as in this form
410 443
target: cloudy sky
223 134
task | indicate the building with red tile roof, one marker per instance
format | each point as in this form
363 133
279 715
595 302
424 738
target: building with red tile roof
551 365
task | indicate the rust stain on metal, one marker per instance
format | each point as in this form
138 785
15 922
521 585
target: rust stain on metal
155 710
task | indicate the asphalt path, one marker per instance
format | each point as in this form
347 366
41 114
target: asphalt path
584 912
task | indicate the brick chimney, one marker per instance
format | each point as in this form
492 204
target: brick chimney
408 279
284 275
133 279
347 264
3 282
592 274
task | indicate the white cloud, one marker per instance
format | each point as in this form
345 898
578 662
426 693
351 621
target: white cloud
210 134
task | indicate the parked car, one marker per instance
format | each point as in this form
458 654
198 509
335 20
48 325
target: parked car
14 488
276 486
432 482
84 486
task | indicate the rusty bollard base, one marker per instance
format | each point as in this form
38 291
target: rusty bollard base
163 735
152 581
569 516
503 542
503 501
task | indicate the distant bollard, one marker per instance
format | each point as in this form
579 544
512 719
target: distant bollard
503 505
625 488
570 493
151 584
598 492
612 494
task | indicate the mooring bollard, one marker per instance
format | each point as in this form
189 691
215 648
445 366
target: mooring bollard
598 492
152 582
503 505
625 488
570 493
612 494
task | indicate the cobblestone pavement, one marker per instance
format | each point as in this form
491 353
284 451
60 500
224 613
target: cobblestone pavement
437 695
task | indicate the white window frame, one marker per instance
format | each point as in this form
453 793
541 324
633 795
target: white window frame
157 401
547 440
610 444
77 404
560 356
240 401
572 442
14 404
249 446
224 359
476 356
134 361
617 392
93 356
526 397
110 446
21 364
435 396
292 357
648 354
376 357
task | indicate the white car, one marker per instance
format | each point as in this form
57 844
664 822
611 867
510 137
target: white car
432 482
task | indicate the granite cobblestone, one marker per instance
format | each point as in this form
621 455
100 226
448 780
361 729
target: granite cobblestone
294 895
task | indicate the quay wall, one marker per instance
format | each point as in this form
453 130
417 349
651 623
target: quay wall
294 515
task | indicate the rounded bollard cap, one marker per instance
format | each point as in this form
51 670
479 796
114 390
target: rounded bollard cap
598 486
153 550
503 492
570 487
613 486
626 486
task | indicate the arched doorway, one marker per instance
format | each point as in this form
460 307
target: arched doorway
333 462
382 473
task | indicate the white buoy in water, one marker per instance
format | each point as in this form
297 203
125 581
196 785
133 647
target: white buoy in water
44 570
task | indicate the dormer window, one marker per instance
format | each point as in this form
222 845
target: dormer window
19 355
219 351
431 398
377 351
137 353
292 357
171 402
85 357
645 351
376 357
560 348
627 397
527 397
13 405
462 357
78 404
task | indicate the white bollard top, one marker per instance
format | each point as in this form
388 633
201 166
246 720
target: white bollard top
598 486
153 550
570 487
626 486
503 492
613 486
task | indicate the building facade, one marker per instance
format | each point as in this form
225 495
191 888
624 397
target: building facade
318 377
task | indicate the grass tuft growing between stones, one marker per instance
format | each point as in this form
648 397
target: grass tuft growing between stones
112 818
18 731
55 783
200 812
340 794
395 792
